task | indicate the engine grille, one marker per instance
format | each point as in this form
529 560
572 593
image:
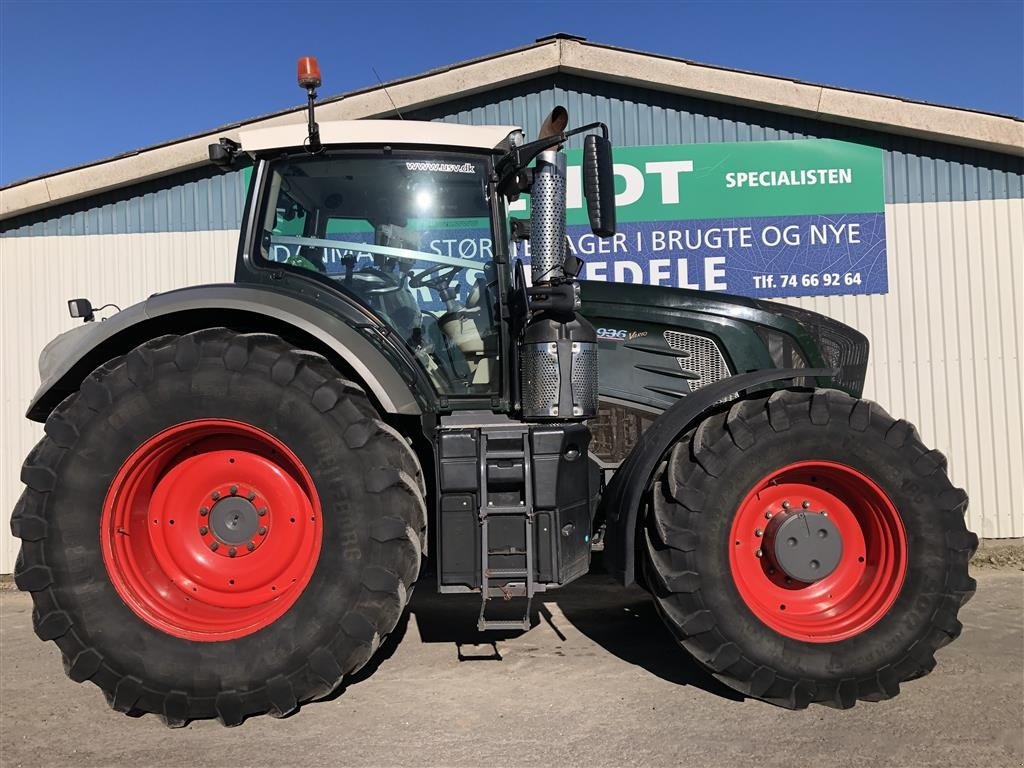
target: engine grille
700 357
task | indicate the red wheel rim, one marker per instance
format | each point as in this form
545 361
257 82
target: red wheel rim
211 529
870 570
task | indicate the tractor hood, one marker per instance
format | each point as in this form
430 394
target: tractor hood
641 328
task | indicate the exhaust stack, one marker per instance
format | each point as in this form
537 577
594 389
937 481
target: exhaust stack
559 349
547 220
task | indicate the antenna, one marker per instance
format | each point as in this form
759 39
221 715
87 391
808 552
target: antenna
374 69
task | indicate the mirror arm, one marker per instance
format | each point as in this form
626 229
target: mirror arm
510 166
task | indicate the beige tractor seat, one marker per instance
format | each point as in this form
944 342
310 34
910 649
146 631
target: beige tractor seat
466 326
470 330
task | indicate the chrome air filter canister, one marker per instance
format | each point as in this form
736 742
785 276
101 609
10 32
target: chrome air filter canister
547 217
559 370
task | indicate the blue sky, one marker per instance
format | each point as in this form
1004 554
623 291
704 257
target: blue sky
80 81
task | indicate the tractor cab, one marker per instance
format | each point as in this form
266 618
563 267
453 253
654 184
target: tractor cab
409 221
405 230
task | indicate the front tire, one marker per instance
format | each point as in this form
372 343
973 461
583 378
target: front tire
218 525
806 547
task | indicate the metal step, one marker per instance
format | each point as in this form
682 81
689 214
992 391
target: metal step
504 454
506 573
502 624
490 510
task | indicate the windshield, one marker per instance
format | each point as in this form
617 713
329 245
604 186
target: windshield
409 234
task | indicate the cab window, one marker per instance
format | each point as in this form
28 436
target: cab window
408 235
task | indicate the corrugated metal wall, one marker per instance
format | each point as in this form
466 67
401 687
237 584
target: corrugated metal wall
195 201
946 344
37 277
915 171
946 340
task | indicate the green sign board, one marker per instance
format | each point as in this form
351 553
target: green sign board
766 219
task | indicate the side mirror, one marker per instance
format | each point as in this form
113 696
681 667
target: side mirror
599 184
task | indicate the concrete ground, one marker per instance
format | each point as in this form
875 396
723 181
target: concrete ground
598 682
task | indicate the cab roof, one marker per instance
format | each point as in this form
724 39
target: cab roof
493 138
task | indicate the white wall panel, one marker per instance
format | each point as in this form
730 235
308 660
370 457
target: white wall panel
38 275
946 344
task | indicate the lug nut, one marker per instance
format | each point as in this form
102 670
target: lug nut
203 511
203 530
806 505
262 511
215 495
785 505
759 532
214 546
824 513
251 496
262 530
250 546
758 553
232 552
234 489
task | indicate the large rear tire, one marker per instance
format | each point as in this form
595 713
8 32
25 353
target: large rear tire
741 553
218 525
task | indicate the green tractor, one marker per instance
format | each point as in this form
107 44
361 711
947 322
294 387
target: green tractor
239 484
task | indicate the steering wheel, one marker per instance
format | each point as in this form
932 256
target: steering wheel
377 280
438 277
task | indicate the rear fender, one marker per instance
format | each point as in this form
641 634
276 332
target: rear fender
69 358
622 498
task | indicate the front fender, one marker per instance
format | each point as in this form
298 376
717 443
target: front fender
66 360
622 498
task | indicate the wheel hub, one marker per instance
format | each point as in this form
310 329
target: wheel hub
234 520
806 546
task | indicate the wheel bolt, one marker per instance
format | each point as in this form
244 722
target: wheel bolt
785 505
759 553
214 546
806 505
250 546
824 513
262 511
234 489
768 515
215 495
759 532
262 530
203 511
771 571
203 530
232 552
251 496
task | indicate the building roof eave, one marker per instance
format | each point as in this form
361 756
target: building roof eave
562 53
